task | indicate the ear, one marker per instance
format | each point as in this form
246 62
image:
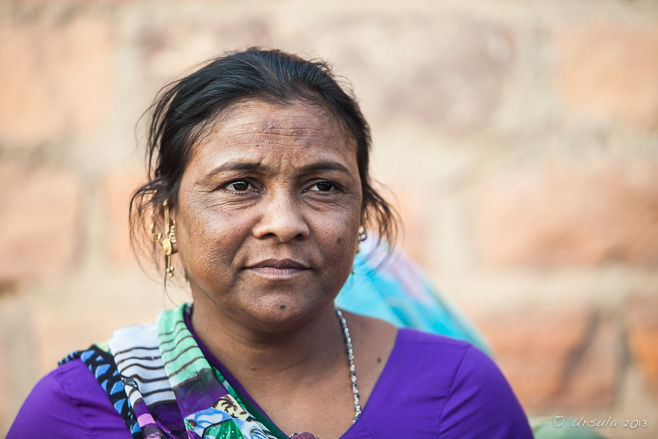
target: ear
173 209
364 218
171 205
163 218
157 223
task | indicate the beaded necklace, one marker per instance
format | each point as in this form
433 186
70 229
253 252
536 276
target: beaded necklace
355 389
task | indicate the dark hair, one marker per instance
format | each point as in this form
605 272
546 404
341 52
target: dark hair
184 107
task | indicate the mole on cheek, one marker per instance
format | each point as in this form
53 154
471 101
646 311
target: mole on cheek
282 307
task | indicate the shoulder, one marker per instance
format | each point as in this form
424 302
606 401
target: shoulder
482 403
435 356
448 388
448 359
68 402
413 339
478 401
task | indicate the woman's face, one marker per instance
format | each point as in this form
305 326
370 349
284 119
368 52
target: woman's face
268 214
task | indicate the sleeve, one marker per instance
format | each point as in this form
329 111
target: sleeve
481 403
68 403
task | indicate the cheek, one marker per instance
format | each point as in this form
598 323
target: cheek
207 242
340 243
340 260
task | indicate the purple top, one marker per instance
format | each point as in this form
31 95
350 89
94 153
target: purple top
431 387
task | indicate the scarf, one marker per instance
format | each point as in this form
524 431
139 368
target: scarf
157 373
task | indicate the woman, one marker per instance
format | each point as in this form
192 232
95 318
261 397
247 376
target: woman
259 186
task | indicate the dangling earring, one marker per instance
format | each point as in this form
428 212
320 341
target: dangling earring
363 235
360 238
168 240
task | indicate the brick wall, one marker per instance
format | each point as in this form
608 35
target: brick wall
519 140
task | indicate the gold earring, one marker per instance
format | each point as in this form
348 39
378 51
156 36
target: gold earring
362 236
156 236
168 240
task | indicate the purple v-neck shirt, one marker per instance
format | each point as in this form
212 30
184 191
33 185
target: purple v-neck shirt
431 387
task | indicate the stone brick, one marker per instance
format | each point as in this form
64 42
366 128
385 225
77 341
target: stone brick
5 372
40 220
166 53
567 215
118 187
642 321
445 71
61 328
61 79
16 362
592 374
415 216
533 347
432 68
610 70
566 357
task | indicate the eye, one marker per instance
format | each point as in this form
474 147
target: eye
238 186
323 186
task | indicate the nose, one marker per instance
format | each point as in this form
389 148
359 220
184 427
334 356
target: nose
281 218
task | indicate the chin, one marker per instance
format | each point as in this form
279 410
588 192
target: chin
280 313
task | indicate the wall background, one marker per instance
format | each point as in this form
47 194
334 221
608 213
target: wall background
519 139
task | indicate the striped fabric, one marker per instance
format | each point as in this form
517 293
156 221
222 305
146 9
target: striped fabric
162 364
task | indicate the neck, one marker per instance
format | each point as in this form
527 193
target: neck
315 344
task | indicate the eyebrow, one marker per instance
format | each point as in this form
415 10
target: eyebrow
234 166
259 167
324 166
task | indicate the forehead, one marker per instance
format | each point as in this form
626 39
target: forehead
253 126
265 115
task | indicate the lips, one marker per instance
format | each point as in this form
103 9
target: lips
279 263
278 269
